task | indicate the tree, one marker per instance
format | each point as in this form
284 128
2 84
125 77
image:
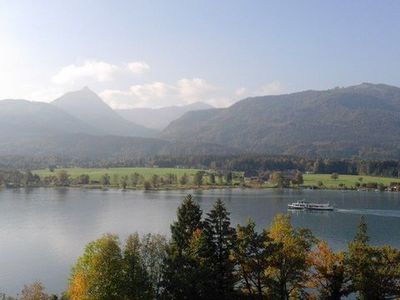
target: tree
135 179
329 275
290 263
123 181
298 178
279 180
229 178
252 254
198 178
155 180
34 291
184 179
219 241
361 236
62 178
105 179
182 275
83 179
334 176
153 252
98 272
212 178
137 285
189 220
377 267
147 185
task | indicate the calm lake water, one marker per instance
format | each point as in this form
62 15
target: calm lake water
43 231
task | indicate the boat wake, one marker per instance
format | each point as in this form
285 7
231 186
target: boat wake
372 212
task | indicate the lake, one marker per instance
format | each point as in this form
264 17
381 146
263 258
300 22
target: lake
44 230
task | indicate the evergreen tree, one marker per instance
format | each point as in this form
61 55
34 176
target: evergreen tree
189 219
219 240
182 275
362 232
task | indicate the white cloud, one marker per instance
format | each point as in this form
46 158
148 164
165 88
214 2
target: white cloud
159 94
183 91
240 92
90 70
138 67
195 89
272 88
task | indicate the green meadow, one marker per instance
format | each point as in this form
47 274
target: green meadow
347 180
309 179
96 173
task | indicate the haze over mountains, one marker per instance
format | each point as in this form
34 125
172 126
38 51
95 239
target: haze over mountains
361 120
86 106
80 125
159 118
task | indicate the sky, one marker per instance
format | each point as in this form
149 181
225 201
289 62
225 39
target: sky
159 53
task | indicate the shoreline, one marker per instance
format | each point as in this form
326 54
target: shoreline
202 188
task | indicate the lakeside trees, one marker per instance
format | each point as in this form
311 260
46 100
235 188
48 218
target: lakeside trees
177 178
206 258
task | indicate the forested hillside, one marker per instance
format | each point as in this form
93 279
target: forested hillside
362 120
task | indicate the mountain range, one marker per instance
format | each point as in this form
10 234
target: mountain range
356 121
79 125
361 120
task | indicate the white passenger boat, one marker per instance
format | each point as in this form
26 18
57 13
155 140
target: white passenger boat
304 205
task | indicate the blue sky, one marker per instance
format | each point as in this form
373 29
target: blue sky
159 53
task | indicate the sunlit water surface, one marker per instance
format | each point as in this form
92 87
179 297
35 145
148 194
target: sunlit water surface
43 231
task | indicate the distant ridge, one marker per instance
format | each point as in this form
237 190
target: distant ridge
361 120
88 107
25 118
43 130
159 118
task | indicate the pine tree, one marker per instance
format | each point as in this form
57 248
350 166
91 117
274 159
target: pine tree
219 238
362 235
182 275
189 219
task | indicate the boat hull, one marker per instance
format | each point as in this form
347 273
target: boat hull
310 206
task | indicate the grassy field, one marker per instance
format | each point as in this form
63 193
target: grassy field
309 179
96 173
347 180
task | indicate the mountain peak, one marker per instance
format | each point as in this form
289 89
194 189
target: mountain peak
84 97
87 106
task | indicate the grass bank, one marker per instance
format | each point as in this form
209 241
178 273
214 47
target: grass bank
344 180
